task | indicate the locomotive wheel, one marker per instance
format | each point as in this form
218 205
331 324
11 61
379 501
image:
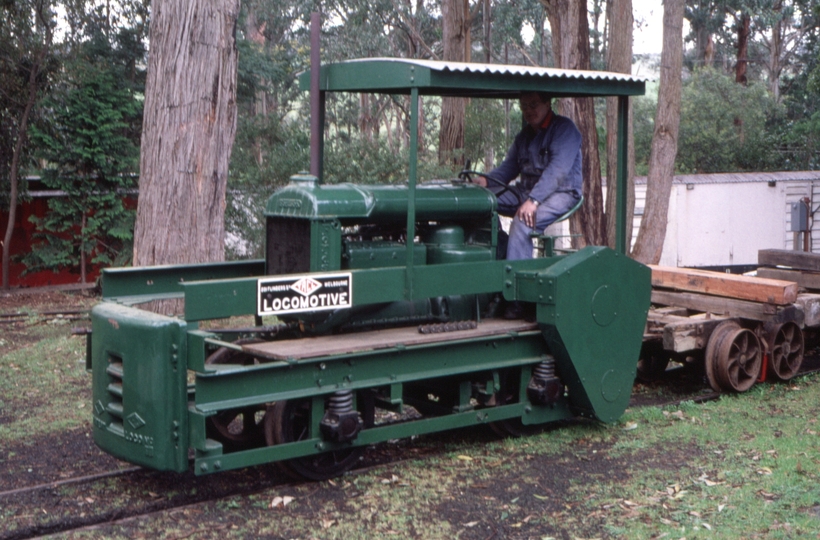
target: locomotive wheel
653 362
236 429
289 421
786 348
734 358
512 427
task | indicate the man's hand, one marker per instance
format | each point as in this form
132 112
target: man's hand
479 181
526 213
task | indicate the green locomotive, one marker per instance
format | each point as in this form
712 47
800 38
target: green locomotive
381 297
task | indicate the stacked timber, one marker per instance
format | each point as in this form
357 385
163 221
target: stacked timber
730 295
696 301
800 267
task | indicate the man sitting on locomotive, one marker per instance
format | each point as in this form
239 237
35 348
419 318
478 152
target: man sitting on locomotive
546 154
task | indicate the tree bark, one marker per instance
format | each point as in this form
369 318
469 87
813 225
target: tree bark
33 86
455 19
649 244
570 42
619 60
189 125
743 31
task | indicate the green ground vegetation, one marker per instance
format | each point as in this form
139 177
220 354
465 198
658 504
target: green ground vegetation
744 466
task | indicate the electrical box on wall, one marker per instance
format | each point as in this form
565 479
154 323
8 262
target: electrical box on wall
800 217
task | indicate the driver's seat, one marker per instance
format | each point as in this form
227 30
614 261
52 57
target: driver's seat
547 242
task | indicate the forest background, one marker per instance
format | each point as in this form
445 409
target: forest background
73 73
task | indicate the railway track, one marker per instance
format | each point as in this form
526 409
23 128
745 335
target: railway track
85 503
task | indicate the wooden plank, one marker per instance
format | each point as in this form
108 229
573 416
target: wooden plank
689 335
798 260
670 310
770 291
729 307
805 279
297 349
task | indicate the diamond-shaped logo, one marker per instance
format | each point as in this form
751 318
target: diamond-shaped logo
306 286
135 421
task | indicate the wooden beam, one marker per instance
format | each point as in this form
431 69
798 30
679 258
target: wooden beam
807 280
770 291
798 260
729 307
689 335
810 303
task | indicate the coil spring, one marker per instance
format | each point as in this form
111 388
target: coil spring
545 370
340 402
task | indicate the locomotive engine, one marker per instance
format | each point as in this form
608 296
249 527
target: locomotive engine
370 298
320 228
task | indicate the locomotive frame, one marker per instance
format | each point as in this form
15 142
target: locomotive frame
420 279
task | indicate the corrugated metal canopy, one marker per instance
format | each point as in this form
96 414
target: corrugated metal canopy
399 75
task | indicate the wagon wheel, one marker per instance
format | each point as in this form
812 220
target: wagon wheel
512 427
289 421
736 359
711 357
653 362
786 348
242 428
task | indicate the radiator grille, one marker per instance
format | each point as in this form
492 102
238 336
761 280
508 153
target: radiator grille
114 388
288 246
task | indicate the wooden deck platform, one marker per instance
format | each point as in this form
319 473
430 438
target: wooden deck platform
299 349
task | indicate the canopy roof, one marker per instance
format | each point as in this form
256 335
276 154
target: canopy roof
430 77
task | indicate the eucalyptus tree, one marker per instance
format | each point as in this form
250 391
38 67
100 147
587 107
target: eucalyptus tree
26 66
188 131
784 27
455 35
619 60
570 41
649 243
706 19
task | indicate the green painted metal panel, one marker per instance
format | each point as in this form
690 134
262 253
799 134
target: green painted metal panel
219 298
139 386
379 254
306 198
325 245
229 297
230 386
399 76
158 281
209 464
592 308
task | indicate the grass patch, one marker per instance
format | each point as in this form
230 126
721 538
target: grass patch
745 466
46 387
742 467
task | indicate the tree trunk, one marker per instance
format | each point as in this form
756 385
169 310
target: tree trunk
649 244
743 31
455 18
487 14
83 254
188 131
775 50
33 87
619 60
570 42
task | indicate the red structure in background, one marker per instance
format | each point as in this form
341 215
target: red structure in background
36 204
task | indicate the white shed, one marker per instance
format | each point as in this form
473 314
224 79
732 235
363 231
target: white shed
724 219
